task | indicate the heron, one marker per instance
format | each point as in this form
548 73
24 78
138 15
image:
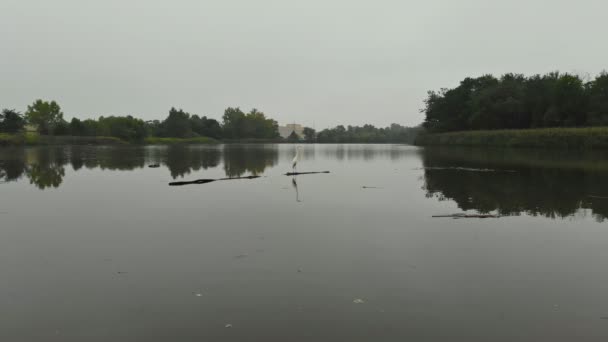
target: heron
296 158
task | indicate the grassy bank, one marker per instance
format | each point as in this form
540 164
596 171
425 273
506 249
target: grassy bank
173 141
30 138
36 139
569 138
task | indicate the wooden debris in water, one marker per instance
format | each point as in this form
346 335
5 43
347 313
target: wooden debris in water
371 187
458 216
203 181
154 165
304 173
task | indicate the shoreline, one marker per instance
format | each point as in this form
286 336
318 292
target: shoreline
564 138
34 139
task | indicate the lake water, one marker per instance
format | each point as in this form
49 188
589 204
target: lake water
95 246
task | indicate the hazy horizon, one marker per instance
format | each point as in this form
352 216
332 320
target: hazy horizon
316 62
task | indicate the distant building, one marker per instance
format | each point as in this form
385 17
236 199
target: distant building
286 130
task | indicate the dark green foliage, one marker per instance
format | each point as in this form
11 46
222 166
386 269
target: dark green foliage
369 134
309 134
123 127
77 127
62 128
11 121
206 127
293 137
598 100
181 124
253 125
177 124
514 101
44 115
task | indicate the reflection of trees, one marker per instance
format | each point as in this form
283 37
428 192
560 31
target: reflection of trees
119 158
46 167
181 160
368 152
556 184
12 164
106 157
239 159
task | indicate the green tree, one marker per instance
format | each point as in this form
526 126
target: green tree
255 124
122 127
293 137
62 128
233 123
77 128
206 127
177 124
45 115
598 100
309 134
11 121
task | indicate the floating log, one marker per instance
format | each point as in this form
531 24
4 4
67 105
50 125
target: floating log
371 187
304 173
154 165
457 216
203 181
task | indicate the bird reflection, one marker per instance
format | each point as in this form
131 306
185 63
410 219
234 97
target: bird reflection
295 186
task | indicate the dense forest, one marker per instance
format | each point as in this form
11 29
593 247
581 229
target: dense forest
47 118
518 102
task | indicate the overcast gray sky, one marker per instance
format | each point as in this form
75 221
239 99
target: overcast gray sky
324 61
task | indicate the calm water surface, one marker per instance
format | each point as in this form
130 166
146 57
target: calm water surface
95 246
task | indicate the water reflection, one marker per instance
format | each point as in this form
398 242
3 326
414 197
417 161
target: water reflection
13 166
45 166
253 159
294 183
181 161
366 152
511 182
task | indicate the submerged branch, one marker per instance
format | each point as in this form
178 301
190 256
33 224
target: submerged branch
457 216
303 173
203 181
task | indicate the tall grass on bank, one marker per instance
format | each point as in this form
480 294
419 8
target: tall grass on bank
172 141
569 138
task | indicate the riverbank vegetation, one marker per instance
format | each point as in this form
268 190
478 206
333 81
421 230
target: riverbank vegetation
560 137
43 123
518 102
368 134
552 110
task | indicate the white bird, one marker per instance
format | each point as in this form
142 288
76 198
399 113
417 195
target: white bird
296 158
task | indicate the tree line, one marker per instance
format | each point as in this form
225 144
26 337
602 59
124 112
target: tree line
47 118
515 101
395 133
